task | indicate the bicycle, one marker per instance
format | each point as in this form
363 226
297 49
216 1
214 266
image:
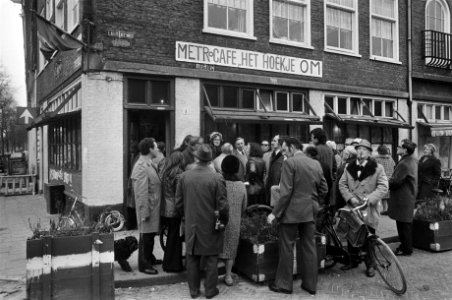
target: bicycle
351 224
72 220
112 219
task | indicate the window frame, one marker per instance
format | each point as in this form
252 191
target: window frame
361 106
443 107
395 25
445 7
249 34
72 23
148 93
355 29
307 29
60 16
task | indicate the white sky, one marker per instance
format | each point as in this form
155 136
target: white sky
12 48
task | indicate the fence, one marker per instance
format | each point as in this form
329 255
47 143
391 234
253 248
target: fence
17 184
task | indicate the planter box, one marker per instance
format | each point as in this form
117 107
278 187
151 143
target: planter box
71 267
433 236
259 261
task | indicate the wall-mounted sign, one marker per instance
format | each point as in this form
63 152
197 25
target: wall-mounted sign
121 34
237 58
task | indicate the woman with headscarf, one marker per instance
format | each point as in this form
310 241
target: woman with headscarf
429 171
237 199
216 140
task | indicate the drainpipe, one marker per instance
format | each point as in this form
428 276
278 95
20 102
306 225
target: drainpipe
410 72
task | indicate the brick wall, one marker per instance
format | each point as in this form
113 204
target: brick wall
157 25
102 138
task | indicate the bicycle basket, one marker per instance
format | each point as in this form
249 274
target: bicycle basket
351 227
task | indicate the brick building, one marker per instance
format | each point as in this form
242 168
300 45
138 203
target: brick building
431 76
246 68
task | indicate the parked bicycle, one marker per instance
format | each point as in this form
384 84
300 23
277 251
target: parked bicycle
351 226
72 219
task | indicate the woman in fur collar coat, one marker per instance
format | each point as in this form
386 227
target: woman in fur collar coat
364 180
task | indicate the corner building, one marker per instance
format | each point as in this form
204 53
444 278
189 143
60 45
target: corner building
165 69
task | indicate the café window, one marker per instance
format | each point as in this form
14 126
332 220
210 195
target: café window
65 143
434 112
148 92
236 97
360 106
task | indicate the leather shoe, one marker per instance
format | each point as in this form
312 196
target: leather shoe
216 292
350 266
149 270
272 286
370 272
308 290
195 294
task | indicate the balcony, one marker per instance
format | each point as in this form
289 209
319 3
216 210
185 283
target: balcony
437 49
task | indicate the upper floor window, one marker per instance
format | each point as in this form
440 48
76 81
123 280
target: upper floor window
384 29
229 17
290 22
49 9
73 16
437 16
341 19
59 15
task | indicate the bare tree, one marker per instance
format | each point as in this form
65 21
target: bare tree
7 109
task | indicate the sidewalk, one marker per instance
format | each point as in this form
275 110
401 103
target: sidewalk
16 211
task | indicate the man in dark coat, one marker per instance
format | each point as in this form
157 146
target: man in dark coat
200 194
274 170
403 187
302 188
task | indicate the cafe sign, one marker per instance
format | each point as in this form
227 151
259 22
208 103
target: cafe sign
237 58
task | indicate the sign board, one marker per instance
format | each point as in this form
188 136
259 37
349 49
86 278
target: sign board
245 59
25 115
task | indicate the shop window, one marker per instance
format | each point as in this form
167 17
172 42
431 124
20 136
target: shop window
160 92
282 101
297 103
389 109
230 97
229 17
65 143
137 91
378 111
247 100
342 105
213 91
447 110
367 108
341 25
290 22
429 112
266 97
438 112
330 101
355 105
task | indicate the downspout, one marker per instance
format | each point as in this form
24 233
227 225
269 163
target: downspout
410 73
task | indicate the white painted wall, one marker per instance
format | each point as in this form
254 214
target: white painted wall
187 111
102 138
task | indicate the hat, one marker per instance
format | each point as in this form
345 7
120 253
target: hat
356 141
214 135
203 153
331 144
364 143
230 164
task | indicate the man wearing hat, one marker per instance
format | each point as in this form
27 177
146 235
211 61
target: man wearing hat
200 194
364 180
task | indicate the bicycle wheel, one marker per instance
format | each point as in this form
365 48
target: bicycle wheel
115 220
388 266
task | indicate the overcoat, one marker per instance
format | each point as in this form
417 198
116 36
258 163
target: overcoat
372 184
403 187
274 172
148 191
303 186
429 172
200 192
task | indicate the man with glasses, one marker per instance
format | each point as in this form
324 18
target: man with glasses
403 187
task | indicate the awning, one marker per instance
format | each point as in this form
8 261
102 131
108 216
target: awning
369 120
222 114
438 129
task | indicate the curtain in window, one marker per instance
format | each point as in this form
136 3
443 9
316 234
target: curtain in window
348 3
384 8
227 14
288 21
382 38
339 28
435 16
237 15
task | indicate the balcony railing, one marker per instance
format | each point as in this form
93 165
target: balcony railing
437 49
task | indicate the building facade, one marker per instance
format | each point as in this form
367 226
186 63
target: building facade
246 68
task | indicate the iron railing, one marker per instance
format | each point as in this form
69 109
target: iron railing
437 49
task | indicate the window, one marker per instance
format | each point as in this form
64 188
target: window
290 22
72 14
213 91
298 103
434 112
330 101
437 16
148 92
344 105
266 97
59 15
229 17
384 29
230 96
282 101
49 9
341 19
247 100
65 143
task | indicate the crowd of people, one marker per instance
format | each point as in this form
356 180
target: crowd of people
206 187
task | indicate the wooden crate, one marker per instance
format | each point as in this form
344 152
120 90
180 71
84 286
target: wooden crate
433 236
71 267
259 261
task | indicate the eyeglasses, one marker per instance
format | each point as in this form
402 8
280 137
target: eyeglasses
266 145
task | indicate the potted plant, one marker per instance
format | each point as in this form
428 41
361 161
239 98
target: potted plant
257 253
70 263
432 225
